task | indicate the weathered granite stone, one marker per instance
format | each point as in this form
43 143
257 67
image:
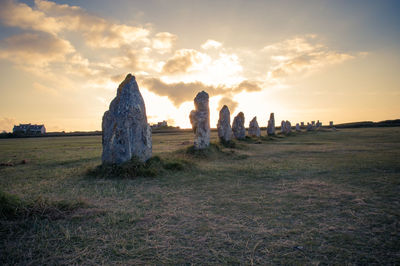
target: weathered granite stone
224 125
271 125
283 127
200 120
298 127
126 132
239 131
288 127
254 129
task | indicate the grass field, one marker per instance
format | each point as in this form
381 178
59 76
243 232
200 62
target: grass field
309 198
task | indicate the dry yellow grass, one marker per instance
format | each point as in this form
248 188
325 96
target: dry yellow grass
310 198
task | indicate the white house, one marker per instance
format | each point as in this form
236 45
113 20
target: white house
30 129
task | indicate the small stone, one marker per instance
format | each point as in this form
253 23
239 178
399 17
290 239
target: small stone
283 127
288 127
239 131
126 132
254 129
224 125
200 120
271 125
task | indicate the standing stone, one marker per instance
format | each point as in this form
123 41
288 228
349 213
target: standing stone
239 131
283 127
126 132
309 127
200 120
288 127
271 125
254 129
224 125
297 127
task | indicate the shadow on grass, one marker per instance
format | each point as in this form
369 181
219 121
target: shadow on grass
136 168
12 208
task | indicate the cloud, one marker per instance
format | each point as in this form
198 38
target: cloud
228 101
249 86
23 16
37 49
54 18
97 31
183 61
211 44
163 41
118 78
7 123
181 92
301 55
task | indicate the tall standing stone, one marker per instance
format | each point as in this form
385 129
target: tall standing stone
239 131
224 125
271 125
126 132
200 120
254 129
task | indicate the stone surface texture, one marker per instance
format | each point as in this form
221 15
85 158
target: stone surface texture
283 127
254 129
288 127
239 131
200 120
309 127
224 125
126 132
271 125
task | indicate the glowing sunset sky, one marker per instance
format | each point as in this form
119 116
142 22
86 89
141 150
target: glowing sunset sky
61 61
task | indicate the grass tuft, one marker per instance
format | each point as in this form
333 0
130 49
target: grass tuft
10 204
136 168
227 144
212 151
12 207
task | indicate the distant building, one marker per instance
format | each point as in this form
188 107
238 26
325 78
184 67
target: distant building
29 129
160 124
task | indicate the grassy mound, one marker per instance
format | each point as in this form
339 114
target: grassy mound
214 151
136 168
12 207
228 144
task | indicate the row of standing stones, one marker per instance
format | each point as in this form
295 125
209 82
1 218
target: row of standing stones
127 134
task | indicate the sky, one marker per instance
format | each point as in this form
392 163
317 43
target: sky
61 61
